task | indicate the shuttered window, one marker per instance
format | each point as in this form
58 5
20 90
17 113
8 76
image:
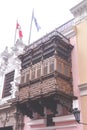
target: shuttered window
51 66
22 79
33 72
66 70
7 86
45 68
28 76
38 70
60 67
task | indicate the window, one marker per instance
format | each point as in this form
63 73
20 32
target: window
45 68
66 70
51 65
60 67
7 86
22 79
27 75
38 70
33 72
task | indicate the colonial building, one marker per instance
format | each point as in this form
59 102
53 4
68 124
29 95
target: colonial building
39 82
44 91
10 67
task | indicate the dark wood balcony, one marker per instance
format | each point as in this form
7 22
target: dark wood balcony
46 78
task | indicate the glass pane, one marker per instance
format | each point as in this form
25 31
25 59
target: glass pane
66 70
45 68
33 73
51 66
27 77
59 67
22 79
38 71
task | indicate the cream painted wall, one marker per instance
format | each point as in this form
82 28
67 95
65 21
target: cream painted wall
82 51
82 65
84 110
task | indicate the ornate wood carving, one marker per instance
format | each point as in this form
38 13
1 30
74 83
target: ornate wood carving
32 106
53 85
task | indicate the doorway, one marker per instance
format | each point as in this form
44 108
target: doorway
6 128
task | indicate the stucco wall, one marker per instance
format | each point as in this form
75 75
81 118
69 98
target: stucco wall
82 50
84 110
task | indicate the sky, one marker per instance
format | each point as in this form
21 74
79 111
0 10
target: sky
49 14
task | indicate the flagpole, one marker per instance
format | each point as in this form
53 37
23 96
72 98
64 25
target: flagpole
15 32
31 26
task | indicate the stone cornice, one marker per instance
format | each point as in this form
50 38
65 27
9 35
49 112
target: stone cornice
79 7
67 29
83 89
80 11
5 106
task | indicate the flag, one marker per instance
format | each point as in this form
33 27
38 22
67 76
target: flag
35 21
19 29
33 18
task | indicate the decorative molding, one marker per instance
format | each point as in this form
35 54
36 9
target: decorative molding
67 29
64 118
4 100
70 33
4 117
80 12
83 89
18 47
5 107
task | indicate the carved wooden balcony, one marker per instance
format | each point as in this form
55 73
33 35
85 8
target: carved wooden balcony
53 74
46 77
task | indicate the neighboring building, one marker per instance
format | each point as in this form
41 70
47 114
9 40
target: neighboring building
10 67
80 14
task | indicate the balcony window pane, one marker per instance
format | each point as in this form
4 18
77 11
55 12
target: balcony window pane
66 70
45 68
38 71
33 73
27 76
51 66
22 79
60 67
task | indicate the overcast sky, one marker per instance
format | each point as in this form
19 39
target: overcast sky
49 13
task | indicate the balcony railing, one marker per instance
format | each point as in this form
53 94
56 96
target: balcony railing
45 68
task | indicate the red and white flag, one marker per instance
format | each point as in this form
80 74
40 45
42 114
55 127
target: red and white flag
19 29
